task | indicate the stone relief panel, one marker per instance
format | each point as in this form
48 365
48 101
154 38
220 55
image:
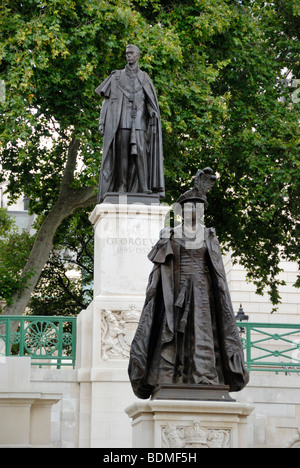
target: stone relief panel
195 436
117 332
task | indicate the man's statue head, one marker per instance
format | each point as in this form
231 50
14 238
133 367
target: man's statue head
132 54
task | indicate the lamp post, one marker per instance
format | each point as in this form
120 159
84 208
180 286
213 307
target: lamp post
241 317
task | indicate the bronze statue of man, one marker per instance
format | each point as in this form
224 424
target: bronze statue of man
132 160
187 334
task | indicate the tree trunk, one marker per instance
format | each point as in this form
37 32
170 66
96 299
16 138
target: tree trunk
68 201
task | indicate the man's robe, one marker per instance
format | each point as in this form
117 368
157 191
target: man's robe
110 117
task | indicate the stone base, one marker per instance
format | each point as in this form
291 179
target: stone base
125 232
131 198
192 392
189 424
104 332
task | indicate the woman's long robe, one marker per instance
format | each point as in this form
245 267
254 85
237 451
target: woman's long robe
187 332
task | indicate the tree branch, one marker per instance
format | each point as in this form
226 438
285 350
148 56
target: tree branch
82 198
68 176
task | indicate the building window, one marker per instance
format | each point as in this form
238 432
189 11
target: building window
26 201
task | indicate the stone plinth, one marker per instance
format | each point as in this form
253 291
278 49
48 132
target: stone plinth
189 424
124 235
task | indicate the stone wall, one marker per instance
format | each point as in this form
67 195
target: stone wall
65 413
275 422
258 307
25 408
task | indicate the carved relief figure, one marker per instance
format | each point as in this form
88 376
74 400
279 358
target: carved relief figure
111 332
117 331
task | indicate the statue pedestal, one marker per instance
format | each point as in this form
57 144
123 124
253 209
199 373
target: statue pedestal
124 235
189 424
192 392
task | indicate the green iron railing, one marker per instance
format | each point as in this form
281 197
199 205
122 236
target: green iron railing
49 341
271 347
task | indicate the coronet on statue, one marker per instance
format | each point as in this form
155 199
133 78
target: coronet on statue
132 160
187 336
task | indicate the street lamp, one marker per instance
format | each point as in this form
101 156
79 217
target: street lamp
241 317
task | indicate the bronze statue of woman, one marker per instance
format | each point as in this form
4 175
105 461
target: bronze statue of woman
187 334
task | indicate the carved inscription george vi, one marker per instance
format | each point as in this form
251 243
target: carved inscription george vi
131 244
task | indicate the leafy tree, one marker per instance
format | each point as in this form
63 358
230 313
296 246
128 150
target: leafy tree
14 251
66 283
217 67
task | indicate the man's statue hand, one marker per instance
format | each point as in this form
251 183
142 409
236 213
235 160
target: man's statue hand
101 129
